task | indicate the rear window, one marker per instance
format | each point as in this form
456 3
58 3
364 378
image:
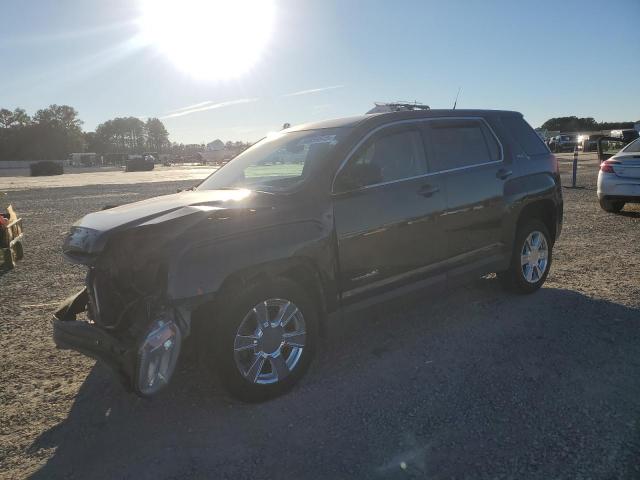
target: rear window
633 147
526 137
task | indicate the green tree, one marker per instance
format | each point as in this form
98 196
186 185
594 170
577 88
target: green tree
56 131
93 143
62 116
5 118
576 124
121 135
157 135
53 133
13 135
16 119
20 118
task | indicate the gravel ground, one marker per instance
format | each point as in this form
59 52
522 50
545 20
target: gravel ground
477 384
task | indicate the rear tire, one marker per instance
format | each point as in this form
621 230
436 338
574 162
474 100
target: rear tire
256 356
611 206
530 259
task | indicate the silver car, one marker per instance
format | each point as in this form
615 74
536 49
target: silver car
619 178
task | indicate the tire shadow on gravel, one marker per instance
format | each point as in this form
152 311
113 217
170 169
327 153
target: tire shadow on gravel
560 366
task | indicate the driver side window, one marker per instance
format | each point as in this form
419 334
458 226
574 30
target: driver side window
387 157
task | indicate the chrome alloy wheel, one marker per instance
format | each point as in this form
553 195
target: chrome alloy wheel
534 257
270 341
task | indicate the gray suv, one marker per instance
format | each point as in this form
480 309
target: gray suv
303 227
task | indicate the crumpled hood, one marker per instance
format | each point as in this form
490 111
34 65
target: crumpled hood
89 235
145 210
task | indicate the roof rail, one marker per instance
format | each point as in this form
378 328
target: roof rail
386 107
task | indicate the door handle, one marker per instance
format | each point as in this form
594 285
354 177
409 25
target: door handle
503 173
428 190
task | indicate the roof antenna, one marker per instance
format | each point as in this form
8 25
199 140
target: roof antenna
457 95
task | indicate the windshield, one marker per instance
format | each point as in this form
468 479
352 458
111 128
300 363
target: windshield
633 147
277 163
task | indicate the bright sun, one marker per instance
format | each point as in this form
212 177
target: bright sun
209 39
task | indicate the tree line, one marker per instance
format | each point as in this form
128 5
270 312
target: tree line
54 132
128 135
586 124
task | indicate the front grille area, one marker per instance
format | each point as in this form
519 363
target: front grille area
118 301
105 308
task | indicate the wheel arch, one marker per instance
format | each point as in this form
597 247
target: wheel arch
297 269
544 210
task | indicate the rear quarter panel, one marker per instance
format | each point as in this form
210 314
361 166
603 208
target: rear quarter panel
535 178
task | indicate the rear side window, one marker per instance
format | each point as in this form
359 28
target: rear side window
461 143
526 137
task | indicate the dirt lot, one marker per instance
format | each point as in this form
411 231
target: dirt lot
478 384
79 177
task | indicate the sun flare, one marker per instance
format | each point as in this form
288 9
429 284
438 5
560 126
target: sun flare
210 39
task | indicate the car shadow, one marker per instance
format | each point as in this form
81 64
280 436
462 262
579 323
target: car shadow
630 213
403 385
4 270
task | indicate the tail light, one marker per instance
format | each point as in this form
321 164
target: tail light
607 166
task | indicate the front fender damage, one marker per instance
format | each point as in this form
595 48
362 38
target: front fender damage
144 360
134 321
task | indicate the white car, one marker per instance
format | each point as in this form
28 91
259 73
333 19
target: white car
619 178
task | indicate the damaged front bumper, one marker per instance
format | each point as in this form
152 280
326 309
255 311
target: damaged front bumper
144 363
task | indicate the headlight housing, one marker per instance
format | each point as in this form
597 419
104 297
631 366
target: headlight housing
158 356
81 245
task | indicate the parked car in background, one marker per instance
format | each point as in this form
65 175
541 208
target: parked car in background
589 143
46 168
83 159
563 143
139 163
309 224
619 178
627 135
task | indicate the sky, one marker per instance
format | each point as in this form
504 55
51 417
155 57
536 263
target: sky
319 59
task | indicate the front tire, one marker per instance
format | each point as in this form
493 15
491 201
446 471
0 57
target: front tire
611 206
530 259
265 340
